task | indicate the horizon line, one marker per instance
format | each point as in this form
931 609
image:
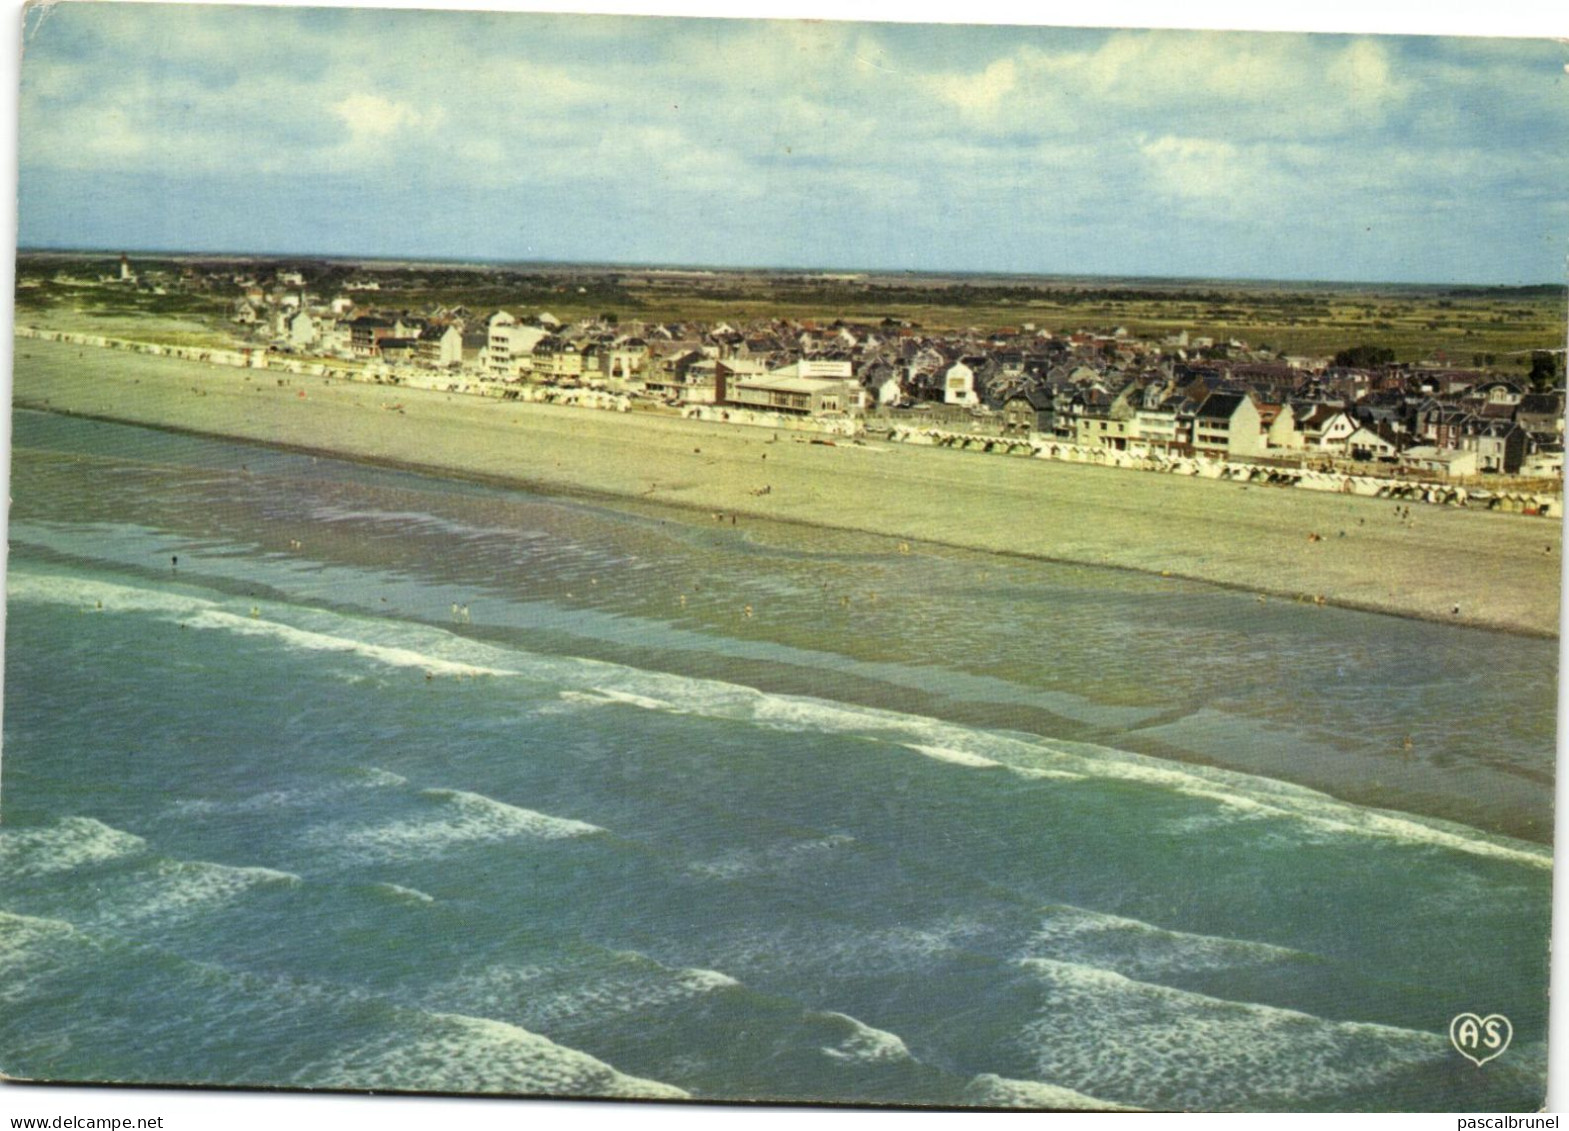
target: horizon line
649 265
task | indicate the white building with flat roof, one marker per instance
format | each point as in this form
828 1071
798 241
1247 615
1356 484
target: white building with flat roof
509 349
826 387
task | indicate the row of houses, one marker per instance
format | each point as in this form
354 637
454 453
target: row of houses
1502 430
1098 389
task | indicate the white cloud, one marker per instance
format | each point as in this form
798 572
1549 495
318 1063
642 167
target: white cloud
1195 168
371 117
981 93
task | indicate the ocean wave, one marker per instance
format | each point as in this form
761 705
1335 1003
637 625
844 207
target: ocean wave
402 894
588 990
590 682
446 1052
359 778
307 640
1158 1047
344 634
980 762
956 757
988 1090
510 818
773 859
824 950
863 1044
171 890
92 595
455 818
30 949
600 696
1138 949
1238 794
24 931
72 842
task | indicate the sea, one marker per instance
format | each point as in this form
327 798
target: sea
323 775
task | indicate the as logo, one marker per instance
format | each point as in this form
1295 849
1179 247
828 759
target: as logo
1480 1039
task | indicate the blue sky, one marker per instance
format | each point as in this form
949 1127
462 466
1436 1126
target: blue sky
793 143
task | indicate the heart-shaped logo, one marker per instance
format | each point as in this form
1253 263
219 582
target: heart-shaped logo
1480 1039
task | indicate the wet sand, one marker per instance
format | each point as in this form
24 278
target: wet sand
1499 570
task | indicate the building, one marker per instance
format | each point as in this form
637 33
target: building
1450 463
555 359
366 333
1226 425
1326 427
958 385
623 360
810 388
1500 446
440 346
1279 422
1027 412
397 349
509 349
1370 442
302 330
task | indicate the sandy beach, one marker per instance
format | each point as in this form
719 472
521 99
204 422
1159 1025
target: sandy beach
1467 566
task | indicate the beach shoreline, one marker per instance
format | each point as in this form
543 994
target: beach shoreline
1448 564
265 411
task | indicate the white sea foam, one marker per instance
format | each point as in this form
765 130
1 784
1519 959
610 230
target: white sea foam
368 778
1138 1043
306 640
444 1052
30 950
405 521
772 859
1142 950
957 757
19 932
706 981
820 950
170 890
98 596
409 895
980 762
436 652
596 988
863 1044
73 842
453 818
420 649
24 938
1236 794
510 819
624 698
988 1090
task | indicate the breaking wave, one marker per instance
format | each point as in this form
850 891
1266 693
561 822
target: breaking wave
456 1053
453 818
611 686
1153 1046
72 842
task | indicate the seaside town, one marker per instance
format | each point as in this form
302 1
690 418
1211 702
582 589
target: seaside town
1358 420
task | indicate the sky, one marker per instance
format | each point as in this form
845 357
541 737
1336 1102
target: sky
793 143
